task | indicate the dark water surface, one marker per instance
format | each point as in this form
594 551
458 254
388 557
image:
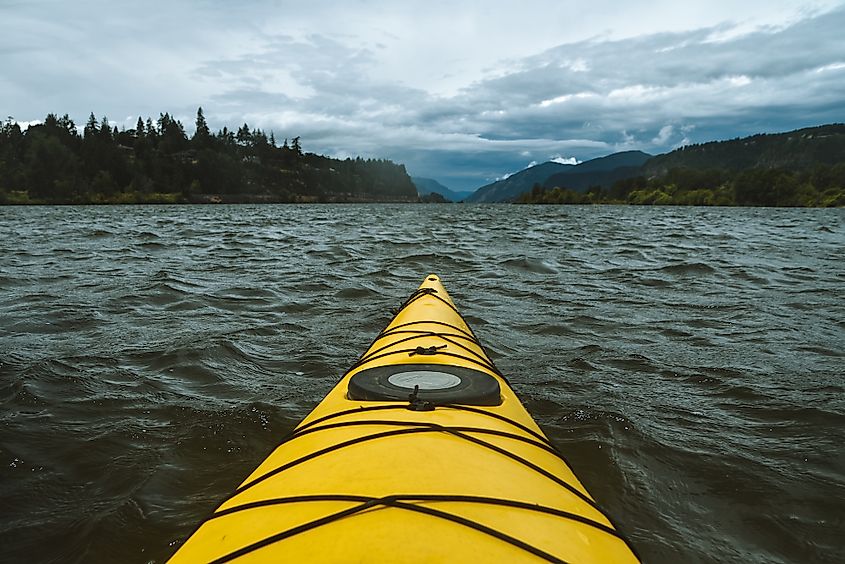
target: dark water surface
688 362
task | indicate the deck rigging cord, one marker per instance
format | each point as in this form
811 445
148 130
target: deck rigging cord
453 342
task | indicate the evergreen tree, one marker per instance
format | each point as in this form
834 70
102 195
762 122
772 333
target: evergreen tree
227 137
244 136
66 124
91 127
61 127
150 129
173 138
105 130
11 156
202 135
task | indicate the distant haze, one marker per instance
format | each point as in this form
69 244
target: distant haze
464 93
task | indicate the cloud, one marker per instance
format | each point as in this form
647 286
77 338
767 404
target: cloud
24 125
565 160
462 93
663 135
557 159
509 174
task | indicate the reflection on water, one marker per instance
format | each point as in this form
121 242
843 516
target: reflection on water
688 362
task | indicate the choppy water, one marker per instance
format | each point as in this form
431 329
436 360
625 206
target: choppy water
688 362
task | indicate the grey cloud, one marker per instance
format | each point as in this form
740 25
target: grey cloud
580 98
642 84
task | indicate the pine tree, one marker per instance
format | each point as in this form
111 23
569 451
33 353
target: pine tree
244 136
67 124
202 134
91 127
105 129
151 130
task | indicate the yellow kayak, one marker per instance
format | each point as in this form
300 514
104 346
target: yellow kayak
421 453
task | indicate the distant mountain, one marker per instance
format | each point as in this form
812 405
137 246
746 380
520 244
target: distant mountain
508 189
431 186
805 167
603 171
794 150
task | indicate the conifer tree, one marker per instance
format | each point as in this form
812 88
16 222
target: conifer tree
244 135
91 127
151 130
105 129
202 135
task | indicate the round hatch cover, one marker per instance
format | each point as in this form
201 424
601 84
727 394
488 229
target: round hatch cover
438 384
425 379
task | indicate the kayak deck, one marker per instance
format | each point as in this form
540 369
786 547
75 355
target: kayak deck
416 476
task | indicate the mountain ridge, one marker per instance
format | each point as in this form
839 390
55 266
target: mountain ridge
427 186
599 171
602 171
510 188
796 150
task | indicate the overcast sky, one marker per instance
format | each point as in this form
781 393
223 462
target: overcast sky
463 92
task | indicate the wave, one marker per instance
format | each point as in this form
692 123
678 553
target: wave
692 268
528 264
152 358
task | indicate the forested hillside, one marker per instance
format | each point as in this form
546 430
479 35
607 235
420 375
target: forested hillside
805 167
801 149
158 162
823 186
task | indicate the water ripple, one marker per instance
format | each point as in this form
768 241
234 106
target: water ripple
688 362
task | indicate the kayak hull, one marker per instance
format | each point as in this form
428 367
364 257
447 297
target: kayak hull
419 478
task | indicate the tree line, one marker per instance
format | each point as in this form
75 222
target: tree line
820 186
157 162
793 150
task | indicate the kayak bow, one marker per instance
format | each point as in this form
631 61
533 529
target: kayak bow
421 453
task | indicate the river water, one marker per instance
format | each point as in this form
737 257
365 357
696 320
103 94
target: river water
687 361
